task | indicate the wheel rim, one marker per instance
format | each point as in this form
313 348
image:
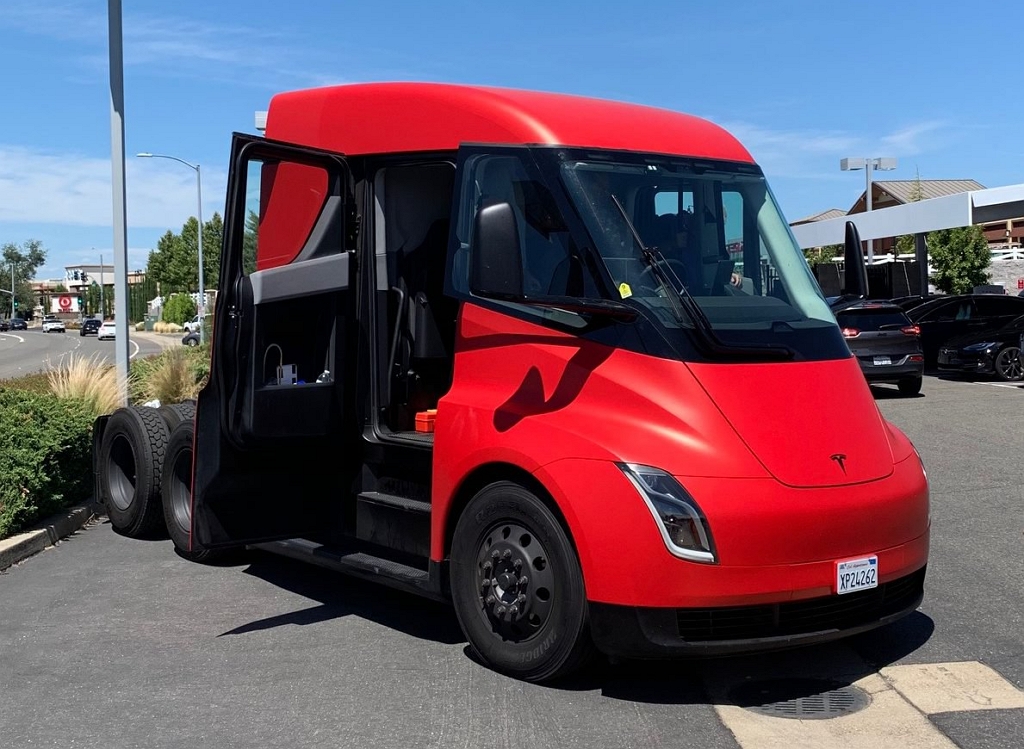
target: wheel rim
180 490
1009 363
121 470
515 582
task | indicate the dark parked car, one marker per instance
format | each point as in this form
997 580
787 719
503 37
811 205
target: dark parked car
907 303
191 339
90 327
944 318
885 343
4 326
18 324
992 352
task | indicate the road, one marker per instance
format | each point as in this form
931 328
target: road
110 642
24 352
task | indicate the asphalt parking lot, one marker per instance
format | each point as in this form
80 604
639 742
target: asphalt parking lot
110 642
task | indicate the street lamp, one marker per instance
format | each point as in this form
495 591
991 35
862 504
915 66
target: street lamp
868 165
199 193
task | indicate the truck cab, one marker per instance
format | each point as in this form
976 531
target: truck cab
558 360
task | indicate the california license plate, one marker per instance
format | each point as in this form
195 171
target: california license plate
856 574
882 361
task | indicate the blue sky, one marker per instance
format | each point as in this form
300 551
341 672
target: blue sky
802 84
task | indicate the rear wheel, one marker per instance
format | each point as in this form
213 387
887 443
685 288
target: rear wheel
1009 364
910 385
174 413
129 466
517 586
176 490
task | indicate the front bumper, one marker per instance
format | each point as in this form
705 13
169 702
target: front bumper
962 362
647 632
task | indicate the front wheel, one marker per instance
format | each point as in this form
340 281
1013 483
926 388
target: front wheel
1009 364
517 586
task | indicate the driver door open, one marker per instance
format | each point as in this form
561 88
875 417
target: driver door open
270 459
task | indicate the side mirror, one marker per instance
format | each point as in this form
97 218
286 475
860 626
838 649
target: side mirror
496 257
856 282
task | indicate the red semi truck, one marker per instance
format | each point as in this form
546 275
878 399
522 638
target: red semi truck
557 360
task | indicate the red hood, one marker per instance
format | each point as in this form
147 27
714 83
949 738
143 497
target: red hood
808 423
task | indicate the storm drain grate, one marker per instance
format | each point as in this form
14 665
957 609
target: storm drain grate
802 699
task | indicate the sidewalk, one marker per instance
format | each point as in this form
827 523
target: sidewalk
46 533
163 340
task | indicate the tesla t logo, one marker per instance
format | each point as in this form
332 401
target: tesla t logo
840 460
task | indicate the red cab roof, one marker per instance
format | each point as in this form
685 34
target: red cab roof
372 118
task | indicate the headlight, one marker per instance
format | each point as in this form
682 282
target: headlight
682 524
981 346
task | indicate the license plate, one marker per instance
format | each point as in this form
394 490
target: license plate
856 574
882 361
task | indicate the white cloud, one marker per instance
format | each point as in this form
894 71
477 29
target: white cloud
175 45
66 188
815 154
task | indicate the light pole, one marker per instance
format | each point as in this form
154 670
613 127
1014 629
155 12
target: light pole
199 216
868 165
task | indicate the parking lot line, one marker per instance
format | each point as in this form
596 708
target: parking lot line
953 687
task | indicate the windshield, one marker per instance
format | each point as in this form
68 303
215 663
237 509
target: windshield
716 230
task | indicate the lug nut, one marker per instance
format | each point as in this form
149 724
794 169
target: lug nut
500 611
521 598
513 610
490 600
495 555
487 568
486 583
524 581
517 565
506 554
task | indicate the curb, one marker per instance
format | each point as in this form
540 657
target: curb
46 533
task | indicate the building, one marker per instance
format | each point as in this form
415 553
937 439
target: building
887 193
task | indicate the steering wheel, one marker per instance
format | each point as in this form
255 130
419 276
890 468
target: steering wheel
647 278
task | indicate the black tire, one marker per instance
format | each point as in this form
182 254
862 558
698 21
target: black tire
1009 364
532 627
173 413
176 490
130 464
910 386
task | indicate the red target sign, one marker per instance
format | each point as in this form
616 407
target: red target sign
65 303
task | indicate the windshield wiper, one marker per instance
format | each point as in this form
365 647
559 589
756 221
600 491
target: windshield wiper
702 325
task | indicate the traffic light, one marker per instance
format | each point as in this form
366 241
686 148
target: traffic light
85 276
15 304
80 302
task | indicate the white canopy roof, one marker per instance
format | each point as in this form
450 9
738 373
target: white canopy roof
947 212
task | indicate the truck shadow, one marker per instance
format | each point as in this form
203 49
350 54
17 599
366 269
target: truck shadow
700 681
341 595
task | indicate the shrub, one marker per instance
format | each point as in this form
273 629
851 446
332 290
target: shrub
45 456
171 377
87 380
167 327
140 326
179 309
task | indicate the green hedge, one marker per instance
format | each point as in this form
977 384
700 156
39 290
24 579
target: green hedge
45 457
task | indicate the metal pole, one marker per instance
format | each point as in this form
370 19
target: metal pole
119 196
869 165
102 302
12 291
202 288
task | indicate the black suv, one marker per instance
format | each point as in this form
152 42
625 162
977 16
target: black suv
90 327
887 345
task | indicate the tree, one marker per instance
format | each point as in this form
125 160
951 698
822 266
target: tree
26 261
905 244
174 264
249 242
960 257
179 309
